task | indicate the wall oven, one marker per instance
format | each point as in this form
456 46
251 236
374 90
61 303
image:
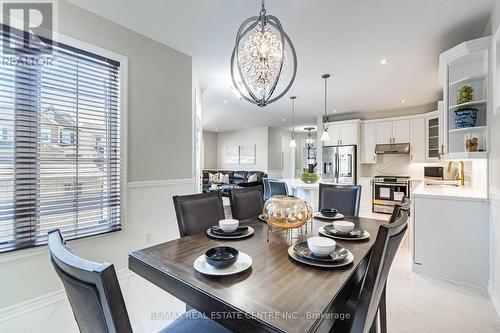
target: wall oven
388 191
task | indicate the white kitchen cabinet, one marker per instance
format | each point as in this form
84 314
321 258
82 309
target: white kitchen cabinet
417 140
451 237
393 131
384 132
334 134
368 143
401 131
434 138
349 133
343 133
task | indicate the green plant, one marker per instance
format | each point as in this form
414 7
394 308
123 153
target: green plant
309 178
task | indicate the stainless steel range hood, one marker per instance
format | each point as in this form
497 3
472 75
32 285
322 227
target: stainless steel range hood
395 148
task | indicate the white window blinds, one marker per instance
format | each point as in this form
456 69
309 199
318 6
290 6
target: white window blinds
59 147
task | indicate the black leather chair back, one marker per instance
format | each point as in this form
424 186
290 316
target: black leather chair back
246 202
92 289
198 212
274 187
384 250
404 205
344 198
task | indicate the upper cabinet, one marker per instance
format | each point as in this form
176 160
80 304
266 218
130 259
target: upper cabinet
417 140
368 143
464 73
393 131
343 133
435 149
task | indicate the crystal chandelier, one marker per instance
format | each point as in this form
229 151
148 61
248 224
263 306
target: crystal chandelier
259 57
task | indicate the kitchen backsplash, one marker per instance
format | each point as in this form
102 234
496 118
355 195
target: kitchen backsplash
399 165
395 165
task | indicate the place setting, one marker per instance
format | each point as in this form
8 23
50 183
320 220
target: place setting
343 230
329 214
221 261
230 229
320 252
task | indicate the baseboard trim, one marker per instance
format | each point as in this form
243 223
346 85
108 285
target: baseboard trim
164 182
494 299
36 303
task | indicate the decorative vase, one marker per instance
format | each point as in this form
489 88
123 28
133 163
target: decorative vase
287 212
465 94
309 177
465 117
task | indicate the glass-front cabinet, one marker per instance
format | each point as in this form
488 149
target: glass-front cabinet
464 73
433 138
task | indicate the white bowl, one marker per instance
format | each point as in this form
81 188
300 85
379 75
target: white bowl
343 226
229 225
321 246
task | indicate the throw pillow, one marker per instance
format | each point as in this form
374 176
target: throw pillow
253 178
224 178
213 178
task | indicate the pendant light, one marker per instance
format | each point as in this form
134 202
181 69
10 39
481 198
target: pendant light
325 136
259 58
293 143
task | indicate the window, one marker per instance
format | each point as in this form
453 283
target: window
69 184
46 134
66 137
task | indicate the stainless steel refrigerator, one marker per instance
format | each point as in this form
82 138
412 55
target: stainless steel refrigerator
339 164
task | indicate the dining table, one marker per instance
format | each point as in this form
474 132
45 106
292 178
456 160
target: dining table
276 294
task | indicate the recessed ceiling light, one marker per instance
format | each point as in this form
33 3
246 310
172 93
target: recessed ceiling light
383 61
334 111
403 101
246 125
216 129
225 101
283 119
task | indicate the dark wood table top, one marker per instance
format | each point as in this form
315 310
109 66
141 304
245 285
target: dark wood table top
277 293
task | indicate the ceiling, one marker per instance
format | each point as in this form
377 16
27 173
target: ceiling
345 38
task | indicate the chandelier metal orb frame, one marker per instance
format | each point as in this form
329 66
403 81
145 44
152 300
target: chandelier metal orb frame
258 58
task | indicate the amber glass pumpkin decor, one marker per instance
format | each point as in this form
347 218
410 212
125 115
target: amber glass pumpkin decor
287 212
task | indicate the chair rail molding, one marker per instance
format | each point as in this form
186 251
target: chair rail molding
163 182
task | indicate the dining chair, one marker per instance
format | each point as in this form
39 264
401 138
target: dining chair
246 202
372 293
96 299
404 205
344 198
274 187
198 212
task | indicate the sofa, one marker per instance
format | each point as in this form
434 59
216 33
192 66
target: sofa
237 179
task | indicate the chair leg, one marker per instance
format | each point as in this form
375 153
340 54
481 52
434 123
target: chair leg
383 311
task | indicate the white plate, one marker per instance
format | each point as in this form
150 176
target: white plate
248 234
345 262
243 263
262 218
322 232
318 215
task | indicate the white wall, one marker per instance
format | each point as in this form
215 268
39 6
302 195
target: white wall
495 188
210 150
274 151
159 157
257 136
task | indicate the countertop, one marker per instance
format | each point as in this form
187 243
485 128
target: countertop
448 192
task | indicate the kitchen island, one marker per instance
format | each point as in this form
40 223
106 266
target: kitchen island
451 233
